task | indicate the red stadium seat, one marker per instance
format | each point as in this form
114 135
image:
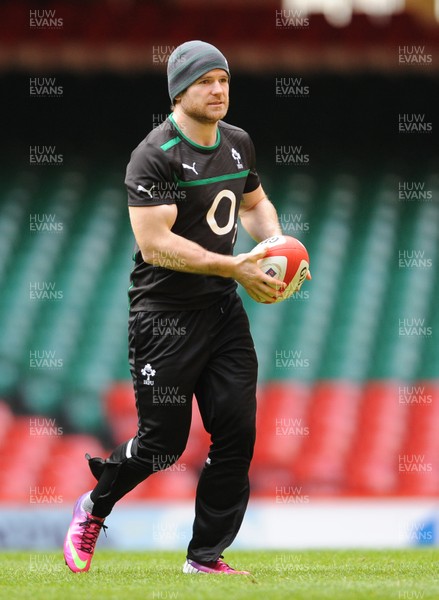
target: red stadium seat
66 471
372 467
418 464
120 410
281 422
6 421
24 450
332 422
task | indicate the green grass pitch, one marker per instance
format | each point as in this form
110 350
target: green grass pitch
305 575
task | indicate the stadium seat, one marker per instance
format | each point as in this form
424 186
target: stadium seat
25 448
346 337
282 423
66 471
373 461
418 464
120 411
6 421
332 422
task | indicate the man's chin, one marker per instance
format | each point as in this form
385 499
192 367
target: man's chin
215 115
209 116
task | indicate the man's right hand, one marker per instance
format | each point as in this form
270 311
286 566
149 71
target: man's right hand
257 284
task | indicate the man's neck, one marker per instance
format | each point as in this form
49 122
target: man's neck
203 134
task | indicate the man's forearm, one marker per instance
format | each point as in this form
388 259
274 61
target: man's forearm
177 253
261 220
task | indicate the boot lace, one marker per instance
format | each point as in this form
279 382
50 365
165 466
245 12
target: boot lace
92 528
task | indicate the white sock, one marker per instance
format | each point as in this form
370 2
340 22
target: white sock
87 504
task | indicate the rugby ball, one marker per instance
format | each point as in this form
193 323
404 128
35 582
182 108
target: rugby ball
286 259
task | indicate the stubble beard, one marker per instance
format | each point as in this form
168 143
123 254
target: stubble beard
202 117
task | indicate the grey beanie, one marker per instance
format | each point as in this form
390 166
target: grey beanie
190 61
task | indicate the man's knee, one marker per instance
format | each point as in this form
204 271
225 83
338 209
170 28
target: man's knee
160 462
156 459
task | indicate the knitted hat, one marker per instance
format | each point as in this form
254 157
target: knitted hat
190 61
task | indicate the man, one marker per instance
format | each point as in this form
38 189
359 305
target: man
188 181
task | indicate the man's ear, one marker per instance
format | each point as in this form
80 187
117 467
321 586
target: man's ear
176 100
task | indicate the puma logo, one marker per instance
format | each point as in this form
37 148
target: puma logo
140 188
190 168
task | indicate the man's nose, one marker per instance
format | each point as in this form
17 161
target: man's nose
216 88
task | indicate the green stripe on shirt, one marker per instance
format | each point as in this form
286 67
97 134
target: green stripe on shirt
170 143
213 179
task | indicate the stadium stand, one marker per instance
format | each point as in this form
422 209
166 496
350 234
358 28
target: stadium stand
348 368
333 414
100 33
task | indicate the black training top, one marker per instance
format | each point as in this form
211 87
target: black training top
206 183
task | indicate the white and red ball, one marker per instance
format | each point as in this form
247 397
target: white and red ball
286 259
